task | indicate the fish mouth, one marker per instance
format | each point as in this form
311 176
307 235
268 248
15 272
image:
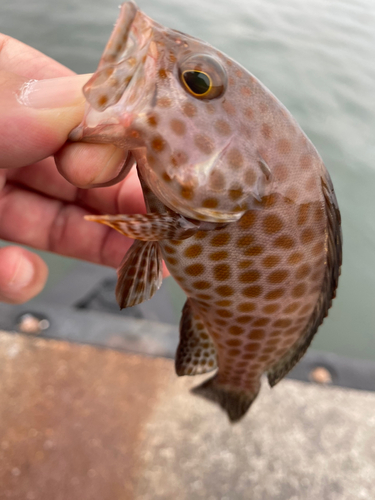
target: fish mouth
119 85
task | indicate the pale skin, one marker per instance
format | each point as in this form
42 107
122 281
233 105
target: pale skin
44 180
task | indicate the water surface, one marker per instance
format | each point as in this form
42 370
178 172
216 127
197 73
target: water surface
316 56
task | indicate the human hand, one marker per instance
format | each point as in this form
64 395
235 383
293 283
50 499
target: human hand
43 206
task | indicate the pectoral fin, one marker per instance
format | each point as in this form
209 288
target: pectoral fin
140 275
196 352
149 227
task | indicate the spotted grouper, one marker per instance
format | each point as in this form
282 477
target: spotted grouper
239 205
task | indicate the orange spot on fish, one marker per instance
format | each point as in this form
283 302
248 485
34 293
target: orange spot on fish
166 177
224 290
291 308
236 330
307 236
275 294
189 109
204 143
284 241
216 180
178 126
278 276
234 194
178 158
210 203
158 144
284 146
235 158
266 131
201 285
246 91
222 272
222 127
164 102
187 192
228 108
271 308
249 276
253 251
193 251
152 120
102 101
299 290
252 291
220 239
272 224
200 235
271 260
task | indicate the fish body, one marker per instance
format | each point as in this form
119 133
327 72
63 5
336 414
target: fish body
240 205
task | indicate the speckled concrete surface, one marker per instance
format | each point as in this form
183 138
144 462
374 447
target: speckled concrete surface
78 422
298 442
71 418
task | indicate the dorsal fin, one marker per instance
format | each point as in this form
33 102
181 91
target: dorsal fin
328 291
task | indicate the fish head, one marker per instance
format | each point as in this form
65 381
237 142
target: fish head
182 108
198 159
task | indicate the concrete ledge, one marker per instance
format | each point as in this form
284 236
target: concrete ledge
153 338
79 422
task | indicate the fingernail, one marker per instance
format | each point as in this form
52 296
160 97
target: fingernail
23 274
53 92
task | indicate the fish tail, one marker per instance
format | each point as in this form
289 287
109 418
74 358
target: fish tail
234 401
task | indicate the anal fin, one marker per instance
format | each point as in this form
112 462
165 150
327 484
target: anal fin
140 274
234 402
196 352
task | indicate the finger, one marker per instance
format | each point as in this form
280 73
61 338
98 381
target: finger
123 198
16 57
22 275
48 224
43 177
87 165
37 116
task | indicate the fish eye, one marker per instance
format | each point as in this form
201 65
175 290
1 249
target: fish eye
203 77
197 82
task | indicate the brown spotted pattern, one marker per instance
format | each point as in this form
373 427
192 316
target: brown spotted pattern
147 227
196 352
259 286
212 159
254 312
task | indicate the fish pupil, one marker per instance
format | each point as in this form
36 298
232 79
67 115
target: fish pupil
198 82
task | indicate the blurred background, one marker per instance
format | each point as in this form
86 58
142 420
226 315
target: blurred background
316 56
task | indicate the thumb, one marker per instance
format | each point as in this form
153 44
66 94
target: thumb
37 116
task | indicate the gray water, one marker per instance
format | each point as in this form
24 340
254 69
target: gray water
316 56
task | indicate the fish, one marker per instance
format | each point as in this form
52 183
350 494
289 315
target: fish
239 205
